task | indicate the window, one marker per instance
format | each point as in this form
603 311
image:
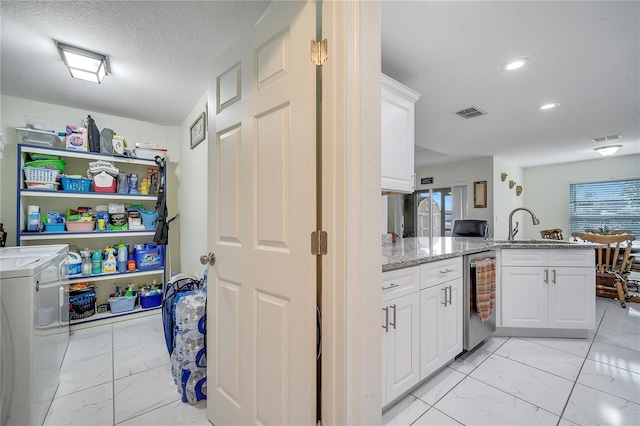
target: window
614 204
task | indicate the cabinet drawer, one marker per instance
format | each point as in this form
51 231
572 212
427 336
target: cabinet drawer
400 282
439 272
524 257
578 258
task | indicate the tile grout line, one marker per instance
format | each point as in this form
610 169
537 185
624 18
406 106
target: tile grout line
582 366
454 386
555 349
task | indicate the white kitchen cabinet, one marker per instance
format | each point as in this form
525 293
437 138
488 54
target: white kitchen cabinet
548 288
440 314
59 200
525 299
400 332
397 136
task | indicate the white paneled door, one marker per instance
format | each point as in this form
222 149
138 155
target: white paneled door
261 310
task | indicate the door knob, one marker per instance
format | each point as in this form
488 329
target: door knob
210 259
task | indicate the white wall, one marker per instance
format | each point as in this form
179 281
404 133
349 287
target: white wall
546 188
192 179
463 173
505 199
12 114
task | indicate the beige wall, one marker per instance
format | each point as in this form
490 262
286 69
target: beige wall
546 188
192 176
463 173
12 114
505 198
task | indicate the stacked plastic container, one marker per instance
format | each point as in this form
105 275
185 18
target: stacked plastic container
188 359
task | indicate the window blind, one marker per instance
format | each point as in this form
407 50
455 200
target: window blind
614 204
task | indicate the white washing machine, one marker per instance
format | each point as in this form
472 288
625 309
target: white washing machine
34 332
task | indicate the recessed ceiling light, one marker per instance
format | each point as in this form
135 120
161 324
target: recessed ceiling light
515 64
607 151
548 106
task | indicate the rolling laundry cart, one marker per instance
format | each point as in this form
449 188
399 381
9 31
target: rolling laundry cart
178 284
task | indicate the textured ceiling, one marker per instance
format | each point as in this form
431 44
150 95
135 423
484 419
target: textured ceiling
584 54
159 52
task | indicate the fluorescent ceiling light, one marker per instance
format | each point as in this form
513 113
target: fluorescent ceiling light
515 64
84 64
548 106
607 151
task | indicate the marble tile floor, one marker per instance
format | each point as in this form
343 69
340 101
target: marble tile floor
517 381
119 374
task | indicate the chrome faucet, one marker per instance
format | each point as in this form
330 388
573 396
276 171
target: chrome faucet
513 231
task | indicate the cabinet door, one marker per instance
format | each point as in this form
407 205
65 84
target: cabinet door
397 136
385 332
403 349
572 298
452 321
524 297
430 324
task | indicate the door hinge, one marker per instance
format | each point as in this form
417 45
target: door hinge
319 243
319 52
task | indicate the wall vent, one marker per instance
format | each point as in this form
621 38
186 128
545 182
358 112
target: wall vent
470 112
607 138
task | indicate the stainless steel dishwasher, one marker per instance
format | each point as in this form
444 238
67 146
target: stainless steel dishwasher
475 330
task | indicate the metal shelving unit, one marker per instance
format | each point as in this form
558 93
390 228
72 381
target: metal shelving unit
94 239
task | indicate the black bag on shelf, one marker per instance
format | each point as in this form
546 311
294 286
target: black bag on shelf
94 135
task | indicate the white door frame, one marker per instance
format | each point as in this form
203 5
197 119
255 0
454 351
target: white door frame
352 272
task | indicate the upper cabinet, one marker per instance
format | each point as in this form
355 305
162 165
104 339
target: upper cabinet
398 121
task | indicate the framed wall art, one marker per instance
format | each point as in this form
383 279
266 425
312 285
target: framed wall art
480 194
198 130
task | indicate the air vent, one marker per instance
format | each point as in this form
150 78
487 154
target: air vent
470 112
607 138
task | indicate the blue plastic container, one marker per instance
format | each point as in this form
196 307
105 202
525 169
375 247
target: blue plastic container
54 227
150 301
149 219
149 256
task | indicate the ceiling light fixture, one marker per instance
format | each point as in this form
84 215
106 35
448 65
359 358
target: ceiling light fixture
84 64
607 151
548 106
515 64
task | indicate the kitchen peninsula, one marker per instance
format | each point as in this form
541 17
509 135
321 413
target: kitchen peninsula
542 288
415 251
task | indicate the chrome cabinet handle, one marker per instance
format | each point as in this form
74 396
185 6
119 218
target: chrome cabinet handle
450 289
553 280
393 324
546 276
391 286
445 296
446 271
386 314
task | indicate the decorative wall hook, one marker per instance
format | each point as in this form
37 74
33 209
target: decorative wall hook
518 190
512 183
503 176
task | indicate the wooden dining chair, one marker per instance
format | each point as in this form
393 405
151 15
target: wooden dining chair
613 264
611 231
551 234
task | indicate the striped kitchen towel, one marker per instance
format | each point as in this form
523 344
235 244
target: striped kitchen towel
485 287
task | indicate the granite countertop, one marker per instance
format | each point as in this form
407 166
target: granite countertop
408 252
